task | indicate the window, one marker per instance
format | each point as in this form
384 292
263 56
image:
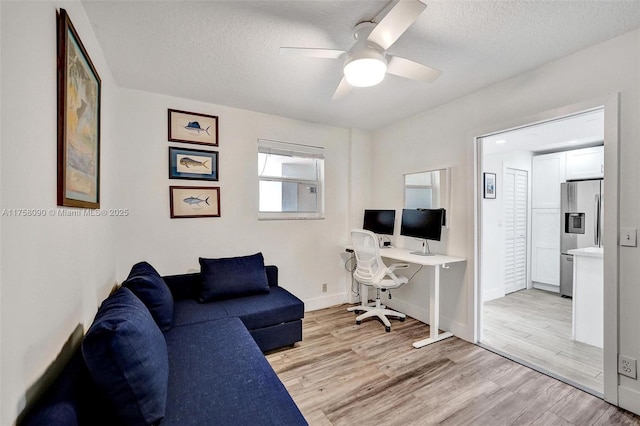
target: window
291 180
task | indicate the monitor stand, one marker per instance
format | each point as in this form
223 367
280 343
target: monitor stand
425 250
381 242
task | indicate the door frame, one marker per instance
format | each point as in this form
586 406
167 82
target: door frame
610 104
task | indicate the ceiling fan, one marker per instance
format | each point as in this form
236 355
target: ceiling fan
367 62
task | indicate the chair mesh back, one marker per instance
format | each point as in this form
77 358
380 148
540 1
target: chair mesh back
369 264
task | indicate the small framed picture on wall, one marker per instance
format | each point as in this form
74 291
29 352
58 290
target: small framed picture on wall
193 164
194 201
489 185
193 127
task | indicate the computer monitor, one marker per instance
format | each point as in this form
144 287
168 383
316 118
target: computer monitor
425 224
379 222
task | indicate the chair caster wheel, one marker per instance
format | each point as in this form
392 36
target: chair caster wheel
387 329
358 322
402 319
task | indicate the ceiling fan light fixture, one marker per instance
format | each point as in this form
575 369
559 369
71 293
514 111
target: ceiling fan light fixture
365 72
365 66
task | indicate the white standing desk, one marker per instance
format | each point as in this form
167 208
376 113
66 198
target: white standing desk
437 261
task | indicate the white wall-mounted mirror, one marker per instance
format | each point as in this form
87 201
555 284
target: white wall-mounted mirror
428 190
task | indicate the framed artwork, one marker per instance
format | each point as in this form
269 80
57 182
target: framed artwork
489 185
78 121
192 127
193 164
194 201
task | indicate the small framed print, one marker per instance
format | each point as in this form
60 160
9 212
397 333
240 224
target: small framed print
194 201
489 185
192 127
193 164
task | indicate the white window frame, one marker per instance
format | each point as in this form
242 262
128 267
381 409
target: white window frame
266 146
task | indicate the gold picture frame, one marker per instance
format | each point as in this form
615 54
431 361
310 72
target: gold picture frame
78 121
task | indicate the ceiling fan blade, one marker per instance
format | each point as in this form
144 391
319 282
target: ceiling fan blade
396 22
405 68
314 53
343 89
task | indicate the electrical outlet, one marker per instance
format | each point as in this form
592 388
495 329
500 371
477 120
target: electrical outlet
627 366
324 287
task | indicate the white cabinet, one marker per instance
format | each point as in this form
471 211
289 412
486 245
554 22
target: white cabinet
586 163
545 248
588 296
548 174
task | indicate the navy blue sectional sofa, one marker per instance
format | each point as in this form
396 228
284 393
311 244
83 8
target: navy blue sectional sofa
181 350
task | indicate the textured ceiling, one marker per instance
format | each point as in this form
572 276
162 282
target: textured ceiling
226 52
580 130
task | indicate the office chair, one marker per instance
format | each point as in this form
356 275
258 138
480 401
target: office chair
371 271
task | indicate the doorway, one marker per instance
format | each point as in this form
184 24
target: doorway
517 290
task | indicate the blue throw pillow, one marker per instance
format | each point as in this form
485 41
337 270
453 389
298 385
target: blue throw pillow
232 277
126 355
146 283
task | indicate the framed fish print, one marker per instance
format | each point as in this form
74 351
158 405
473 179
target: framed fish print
193 164
192 127
78 121
194 201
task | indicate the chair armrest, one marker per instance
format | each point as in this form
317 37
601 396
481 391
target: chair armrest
395 266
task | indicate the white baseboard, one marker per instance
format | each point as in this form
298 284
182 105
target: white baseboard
492 294
547 287
629 399
322 302
422 314
418 312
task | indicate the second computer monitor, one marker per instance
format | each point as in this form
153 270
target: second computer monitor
422 223
379 222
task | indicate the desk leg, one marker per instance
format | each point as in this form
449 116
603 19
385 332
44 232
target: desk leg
434 314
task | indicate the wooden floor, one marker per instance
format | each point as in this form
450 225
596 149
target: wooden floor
344 374
535 326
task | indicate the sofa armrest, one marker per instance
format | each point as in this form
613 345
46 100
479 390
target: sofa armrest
272 275
183 286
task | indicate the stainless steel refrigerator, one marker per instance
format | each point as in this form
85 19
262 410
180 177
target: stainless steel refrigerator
581 216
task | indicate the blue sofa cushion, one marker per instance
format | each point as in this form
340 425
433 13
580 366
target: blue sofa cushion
255 311
126 355
72 400
230 381
232 277
145 282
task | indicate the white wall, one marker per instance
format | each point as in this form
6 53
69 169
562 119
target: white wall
1 403
360 176
306 251
55 270
360 198
492 269
444 136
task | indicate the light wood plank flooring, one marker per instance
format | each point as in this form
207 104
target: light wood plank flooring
344 374
535 326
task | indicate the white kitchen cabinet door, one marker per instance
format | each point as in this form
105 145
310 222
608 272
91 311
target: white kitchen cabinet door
586 163
548 174
545 246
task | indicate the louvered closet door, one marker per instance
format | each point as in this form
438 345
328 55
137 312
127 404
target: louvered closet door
515 214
